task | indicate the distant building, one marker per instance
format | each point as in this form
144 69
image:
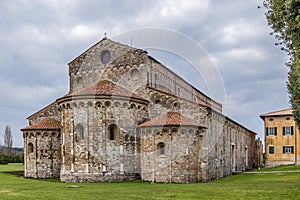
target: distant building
281 138
126 117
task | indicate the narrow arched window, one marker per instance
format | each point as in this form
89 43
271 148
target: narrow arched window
79 131
30 147
161 148
112 131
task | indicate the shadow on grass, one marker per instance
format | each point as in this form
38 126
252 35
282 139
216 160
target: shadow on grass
16 173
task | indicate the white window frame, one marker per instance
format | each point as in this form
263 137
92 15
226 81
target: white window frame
288 130
288 149
271 131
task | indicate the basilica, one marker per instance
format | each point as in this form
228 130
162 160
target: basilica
127 117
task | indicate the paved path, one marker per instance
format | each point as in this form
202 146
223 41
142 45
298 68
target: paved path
272 172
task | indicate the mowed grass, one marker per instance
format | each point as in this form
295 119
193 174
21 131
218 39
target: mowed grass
243 186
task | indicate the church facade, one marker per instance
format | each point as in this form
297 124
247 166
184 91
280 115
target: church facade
129 117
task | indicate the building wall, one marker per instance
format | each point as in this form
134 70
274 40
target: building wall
179 161
88 154
96 157
280 140
192 155
50 111
227 148
42 155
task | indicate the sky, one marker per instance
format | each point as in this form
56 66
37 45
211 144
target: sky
40 37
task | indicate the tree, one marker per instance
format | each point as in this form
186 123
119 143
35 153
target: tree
284 18
1 147
8 140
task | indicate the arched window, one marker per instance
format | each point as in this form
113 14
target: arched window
79 131
161 148
112 131
30 147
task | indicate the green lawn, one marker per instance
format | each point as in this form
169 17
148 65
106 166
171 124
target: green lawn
242 186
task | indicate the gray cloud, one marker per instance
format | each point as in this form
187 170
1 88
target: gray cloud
38 39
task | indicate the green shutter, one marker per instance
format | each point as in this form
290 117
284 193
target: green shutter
275 131
267 131
283 130
292 147
292 130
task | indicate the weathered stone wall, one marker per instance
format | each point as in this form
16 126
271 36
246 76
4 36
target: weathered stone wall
177 161
42 155
100 141
50 111
229 147
95 152
90 66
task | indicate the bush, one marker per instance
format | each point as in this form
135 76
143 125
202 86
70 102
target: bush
4 159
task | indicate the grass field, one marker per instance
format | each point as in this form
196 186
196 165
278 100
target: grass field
282 185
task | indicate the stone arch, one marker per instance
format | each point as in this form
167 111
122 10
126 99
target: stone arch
191 131
98 104
132 106
74 105
157 102
30 148
79 131
161 148
112 130
116 104
126 137
107 104
89 103
125 105
156 131
81 104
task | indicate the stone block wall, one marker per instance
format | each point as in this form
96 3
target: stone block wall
94 151
42 154
174 161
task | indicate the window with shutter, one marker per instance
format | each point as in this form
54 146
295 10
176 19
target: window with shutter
288 149
270 131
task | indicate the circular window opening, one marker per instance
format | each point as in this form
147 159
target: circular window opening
107 103
135 74
105 56
271 119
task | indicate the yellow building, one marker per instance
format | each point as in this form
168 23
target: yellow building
281 138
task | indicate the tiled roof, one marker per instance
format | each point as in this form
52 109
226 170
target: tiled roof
170 118
105 87
288 111
45 124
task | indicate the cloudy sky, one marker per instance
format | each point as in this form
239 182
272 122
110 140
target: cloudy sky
39 37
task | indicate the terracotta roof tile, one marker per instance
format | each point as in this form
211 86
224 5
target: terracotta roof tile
170 118
45 124
288 111
105 87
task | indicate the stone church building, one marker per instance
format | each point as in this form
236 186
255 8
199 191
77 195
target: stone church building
129 117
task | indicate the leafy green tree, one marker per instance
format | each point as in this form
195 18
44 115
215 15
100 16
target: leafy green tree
284 18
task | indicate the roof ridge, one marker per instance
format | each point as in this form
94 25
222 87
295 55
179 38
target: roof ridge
105 87
44 124
288 111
